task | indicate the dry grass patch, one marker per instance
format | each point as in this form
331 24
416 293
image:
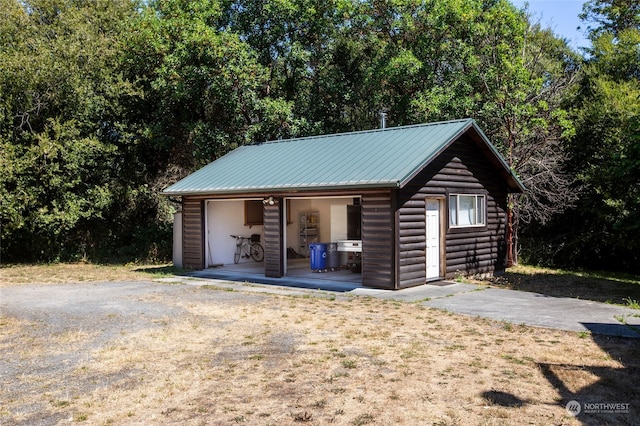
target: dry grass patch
622 289
290 360
58 273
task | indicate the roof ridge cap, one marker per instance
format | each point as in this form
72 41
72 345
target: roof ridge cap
360 132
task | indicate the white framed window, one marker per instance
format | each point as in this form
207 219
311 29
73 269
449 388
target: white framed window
467 210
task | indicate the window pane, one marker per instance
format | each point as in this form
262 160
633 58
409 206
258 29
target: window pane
253 212
466 210
453 210
481 216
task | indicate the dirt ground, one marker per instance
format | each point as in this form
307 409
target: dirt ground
142 352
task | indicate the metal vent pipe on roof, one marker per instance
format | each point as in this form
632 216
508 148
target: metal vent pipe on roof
383 120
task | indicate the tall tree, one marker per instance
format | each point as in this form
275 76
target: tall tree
602 230
205 91
295 41
610 16
487 60
59 103
527 77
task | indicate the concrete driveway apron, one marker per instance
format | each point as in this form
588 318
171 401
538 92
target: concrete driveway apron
519 307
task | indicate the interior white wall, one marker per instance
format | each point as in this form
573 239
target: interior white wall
226 217
324 207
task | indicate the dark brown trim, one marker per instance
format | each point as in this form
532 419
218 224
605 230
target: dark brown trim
476 135
461 169
193 234
273 240
396 239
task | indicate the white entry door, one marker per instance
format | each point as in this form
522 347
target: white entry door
433 239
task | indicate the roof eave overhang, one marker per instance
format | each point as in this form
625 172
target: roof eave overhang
514 183
283 190
516 186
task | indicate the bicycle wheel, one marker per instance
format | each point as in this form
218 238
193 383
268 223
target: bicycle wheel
236 255
257 252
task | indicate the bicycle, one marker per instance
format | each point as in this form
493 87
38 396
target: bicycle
249 246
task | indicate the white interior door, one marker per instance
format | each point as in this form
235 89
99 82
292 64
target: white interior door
433 239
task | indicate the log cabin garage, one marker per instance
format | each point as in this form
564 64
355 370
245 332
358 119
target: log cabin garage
402 206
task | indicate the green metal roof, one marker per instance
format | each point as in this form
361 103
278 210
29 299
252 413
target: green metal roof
367 159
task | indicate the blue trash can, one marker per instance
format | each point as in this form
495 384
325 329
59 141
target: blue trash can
318 256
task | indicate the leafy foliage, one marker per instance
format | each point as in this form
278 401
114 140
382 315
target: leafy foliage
105 103
63 130
601 231
610 16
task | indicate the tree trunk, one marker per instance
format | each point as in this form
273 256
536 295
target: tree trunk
512 231
509 237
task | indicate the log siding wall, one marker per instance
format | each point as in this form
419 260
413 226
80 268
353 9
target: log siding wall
273 260
462 168
411 243
192 233
378 230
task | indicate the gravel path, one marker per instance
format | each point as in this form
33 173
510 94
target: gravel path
72 321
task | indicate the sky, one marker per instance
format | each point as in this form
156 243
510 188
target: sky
561 16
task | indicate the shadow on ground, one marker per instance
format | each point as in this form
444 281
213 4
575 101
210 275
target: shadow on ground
503 399
610 394
163 270
575 285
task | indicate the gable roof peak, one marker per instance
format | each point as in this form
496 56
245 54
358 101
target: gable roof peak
376 158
